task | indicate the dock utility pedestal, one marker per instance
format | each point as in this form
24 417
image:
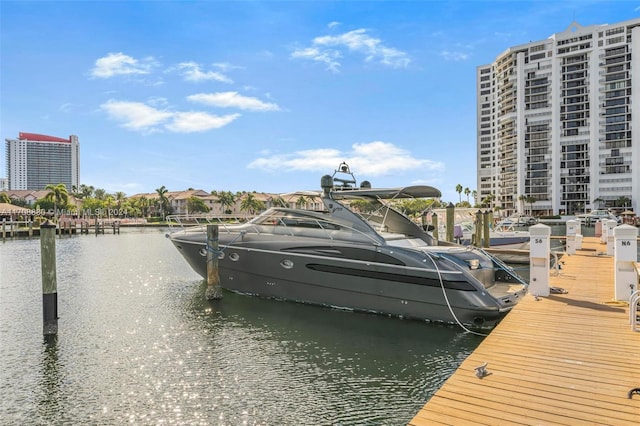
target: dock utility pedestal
572 232
609 226
626 253
539 252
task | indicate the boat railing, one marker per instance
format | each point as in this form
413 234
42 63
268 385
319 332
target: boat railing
180 222
286 225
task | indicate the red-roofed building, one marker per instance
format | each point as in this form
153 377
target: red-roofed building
41 138
35 161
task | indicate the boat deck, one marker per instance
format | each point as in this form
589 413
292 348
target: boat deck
567 359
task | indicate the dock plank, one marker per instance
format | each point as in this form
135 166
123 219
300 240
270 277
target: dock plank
566 359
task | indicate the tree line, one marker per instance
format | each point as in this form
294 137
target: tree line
99 200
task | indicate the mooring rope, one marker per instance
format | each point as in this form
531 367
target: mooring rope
444 293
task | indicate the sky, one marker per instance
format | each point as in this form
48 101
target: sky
265 96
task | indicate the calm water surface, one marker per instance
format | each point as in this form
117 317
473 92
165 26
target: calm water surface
138 343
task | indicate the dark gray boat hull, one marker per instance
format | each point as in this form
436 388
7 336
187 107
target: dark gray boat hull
322 274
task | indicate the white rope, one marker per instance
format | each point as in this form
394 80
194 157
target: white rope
444 293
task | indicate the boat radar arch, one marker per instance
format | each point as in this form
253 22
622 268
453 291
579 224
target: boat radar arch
347 179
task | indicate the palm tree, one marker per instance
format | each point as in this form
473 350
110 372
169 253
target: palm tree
474 194
522 198
86 191
530 199
143 204
467 191
58 193
302 201
100 194
163 200
598 202
622 201
120 197
312 198
459 191
279 201
486 201
108 202
251 204
226 200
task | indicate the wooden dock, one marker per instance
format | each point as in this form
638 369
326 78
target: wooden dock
566 359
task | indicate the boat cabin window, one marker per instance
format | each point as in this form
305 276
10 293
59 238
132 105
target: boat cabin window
399 240
286 219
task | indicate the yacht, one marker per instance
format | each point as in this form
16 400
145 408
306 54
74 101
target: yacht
344 256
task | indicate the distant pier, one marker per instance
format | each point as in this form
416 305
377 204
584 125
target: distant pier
27 229
567 359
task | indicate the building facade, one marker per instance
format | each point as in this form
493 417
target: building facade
558 123
35 161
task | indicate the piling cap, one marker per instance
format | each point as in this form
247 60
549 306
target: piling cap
47 224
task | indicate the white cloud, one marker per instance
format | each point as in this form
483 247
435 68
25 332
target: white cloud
328 49
327 56
233 100
143 118
120 64
187 122
136 115
454 56
226 67
371 159
67 107
192 72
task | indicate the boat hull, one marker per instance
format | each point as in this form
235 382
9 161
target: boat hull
316 274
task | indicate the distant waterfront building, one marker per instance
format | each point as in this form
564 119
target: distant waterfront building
35 161
556 123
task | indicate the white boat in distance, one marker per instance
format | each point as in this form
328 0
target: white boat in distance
380 262
505 234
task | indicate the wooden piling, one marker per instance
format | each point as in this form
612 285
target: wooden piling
450 221
214 291
4 231
478 229
486 231
49 279
434 221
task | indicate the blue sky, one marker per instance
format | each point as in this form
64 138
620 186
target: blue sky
264 95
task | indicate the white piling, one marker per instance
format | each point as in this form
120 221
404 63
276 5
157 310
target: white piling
626 253
578 235
609 225
539 252
572 230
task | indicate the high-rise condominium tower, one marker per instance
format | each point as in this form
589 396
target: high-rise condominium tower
558 122
35 161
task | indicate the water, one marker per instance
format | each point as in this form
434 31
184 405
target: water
138 343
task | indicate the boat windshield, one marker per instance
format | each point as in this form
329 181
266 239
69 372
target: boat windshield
282 217
314 224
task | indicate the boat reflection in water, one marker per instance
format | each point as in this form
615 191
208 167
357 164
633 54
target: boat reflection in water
380 261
